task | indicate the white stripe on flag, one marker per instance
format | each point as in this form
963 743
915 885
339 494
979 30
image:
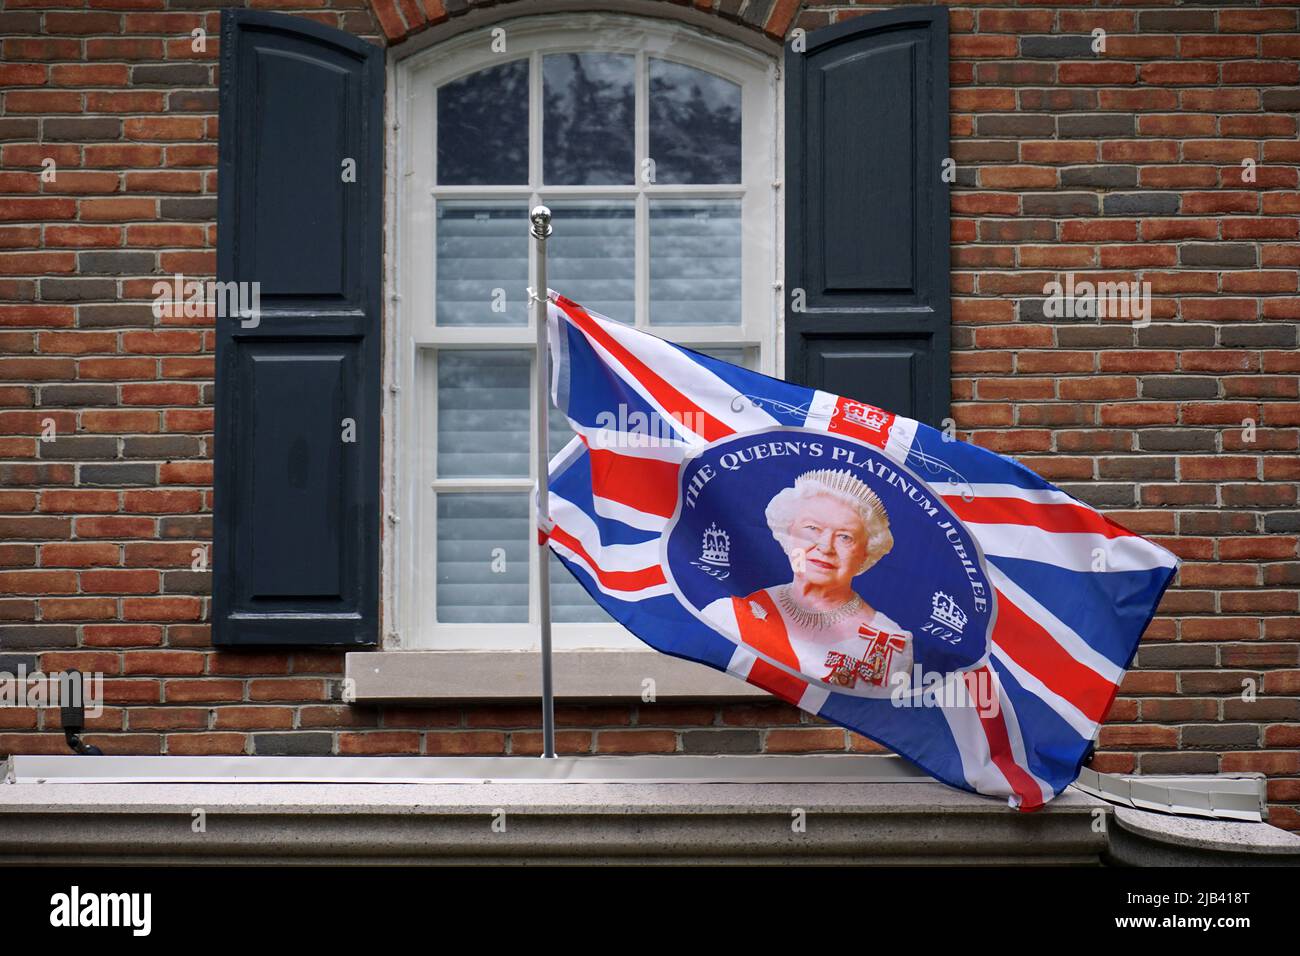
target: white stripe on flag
1070 551
644 594
633 444
706 390
1038 496
901 435
617 511
821 410
682 427
609 557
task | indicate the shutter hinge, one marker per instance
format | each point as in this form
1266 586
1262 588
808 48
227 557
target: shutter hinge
393 518
776 184
394 388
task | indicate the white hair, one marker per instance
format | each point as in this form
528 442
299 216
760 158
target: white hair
782 510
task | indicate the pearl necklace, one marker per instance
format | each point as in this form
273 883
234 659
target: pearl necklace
816 620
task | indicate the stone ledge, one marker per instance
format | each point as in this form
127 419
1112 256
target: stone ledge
1143 838
586 823
448 676
672 809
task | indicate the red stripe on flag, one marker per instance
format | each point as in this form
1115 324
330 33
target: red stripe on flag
641 483
1032 646
995 729
1057 518
618 580
673 401
776 681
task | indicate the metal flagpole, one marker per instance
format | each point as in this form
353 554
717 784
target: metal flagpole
540 220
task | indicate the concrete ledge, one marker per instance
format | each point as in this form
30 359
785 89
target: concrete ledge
1142 838
912 823
861 809
448 676
657 769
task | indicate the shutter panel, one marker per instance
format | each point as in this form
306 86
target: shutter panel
867 228
295 555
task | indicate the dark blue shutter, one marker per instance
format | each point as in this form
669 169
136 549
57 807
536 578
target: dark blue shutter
867 211
295 554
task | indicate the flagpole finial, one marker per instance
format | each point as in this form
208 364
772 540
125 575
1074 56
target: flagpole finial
541 220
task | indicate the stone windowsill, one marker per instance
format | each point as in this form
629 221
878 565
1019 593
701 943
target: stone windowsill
579 675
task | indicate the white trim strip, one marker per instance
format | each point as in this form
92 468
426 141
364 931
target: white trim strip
1070 551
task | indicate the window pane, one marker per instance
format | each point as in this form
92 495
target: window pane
694 125
482 264
483 127
587 119
483 558
695 262
591 257
483 402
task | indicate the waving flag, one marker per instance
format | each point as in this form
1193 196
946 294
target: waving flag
935 597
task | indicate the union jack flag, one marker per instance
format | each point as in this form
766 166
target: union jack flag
1064 592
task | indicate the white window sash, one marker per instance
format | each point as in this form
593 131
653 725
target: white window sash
410 541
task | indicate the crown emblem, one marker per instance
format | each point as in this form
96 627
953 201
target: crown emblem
868 416
717 547
946 612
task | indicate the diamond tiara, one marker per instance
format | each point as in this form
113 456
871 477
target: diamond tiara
843 483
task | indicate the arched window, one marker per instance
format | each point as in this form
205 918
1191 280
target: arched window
654 145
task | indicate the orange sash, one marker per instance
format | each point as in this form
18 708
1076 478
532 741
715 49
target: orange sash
764 630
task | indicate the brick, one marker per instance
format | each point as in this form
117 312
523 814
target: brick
78 553
1144 204
171 74
280 690
206 743
1217 254
161 609
56 500
116 263
395 742
295 744
114 527
122 635
80 129
118 155
119 582
118 210
633 741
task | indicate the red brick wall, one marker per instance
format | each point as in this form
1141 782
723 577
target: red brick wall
1126 164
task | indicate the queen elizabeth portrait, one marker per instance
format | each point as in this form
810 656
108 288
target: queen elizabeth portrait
832 528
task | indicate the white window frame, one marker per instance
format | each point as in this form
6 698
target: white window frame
410 406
